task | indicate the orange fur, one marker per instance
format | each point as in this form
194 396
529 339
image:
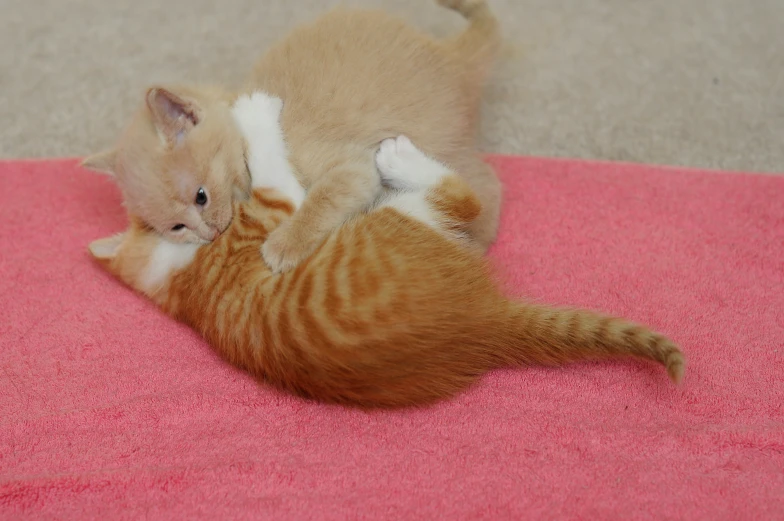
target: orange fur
349 80
387 312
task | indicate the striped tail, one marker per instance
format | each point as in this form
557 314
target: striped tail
555 336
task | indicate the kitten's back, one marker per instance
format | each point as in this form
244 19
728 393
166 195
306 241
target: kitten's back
387 313
361 76
355 77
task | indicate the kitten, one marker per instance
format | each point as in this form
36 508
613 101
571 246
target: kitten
350 80
389 311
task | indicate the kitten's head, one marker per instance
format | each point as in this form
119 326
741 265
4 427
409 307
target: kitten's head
180 163
143 259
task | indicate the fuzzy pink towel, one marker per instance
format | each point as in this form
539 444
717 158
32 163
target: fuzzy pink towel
110 410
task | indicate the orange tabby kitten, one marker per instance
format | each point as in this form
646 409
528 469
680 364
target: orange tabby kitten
389 311
350 80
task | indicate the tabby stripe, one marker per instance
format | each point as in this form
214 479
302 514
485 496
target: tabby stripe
334 303
318 337
266 197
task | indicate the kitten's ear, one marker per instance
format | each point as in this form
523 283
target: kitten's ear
105 250
172 114
103 162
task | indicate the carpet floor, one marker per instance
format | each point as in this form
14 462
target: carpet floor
109 410
693 83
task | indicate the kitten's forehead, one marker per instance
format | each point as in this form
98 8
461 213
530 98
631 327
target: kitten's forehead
183 185
182 173
155 203
161 191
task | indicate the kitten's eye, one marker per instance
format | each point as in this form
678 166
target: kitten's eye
177 227
201 197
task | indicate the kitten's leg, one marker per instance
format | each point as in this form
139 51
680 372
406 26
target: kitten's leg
258 118
483 180
339 193
429 191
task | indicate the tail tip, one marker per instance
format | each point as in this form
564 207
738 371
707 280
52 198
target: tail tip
676 367
465 7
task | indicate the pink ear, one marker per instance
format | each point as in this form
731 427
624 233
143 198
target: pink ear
173 115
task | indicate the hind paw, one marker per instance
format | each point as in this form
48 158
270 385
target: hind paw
403 166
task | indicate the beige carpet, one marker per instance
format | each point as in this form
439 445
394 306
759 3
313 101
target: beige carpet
686 82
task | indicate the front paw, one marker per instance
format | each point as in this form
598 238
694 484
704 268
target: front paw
282 251
257 112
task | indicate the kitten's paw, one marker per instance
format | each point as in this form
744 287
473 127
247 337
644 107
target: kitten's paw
257 117
257 111
281 252
403 166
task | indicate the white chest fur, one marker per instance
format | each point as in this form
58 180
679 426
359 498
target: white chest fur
166 258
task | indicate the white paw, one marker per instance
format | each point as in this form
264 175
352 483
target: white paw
258 118
257 112
403 166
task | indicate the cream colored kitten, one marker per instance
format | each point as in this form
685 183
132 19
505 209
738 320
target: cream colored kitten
349 80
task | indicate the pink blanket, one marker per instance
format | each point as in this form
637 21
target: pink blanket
110 410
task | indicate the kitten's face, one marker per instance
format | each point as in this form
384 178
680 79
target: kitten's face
180 165
185 193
